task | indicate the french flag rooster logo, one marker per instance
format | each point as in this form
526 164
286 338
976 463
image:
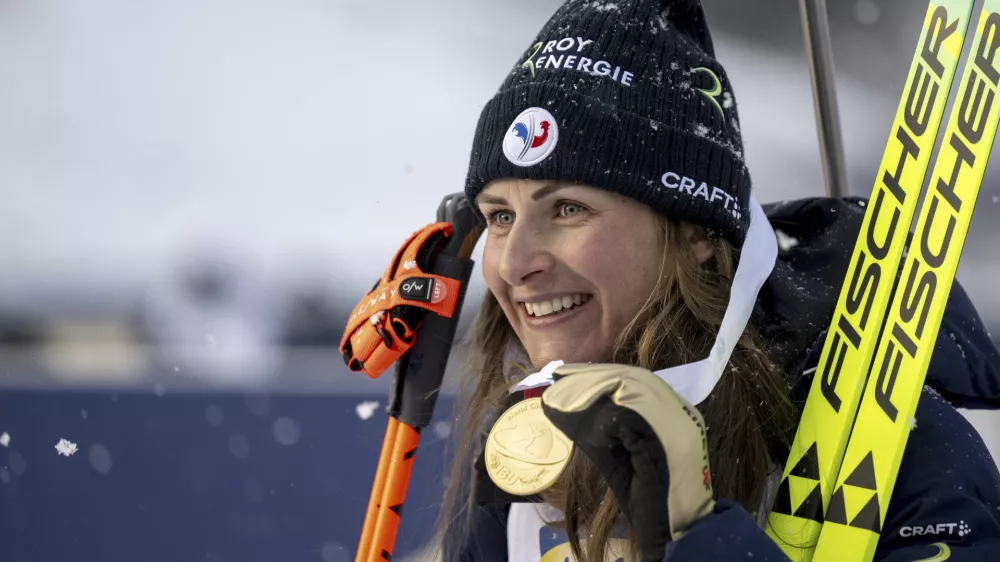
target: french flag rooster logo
531 141
531 137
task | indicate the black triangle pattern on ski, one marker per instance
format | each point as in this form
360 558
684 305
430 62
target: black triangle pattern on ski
812 506
783 499
837 512
864 475
808 465
868 517
397 509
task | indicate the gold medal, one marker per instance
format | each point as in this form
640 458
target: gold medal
525 453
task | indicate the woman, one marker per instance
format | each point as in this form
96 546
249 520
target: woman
609 169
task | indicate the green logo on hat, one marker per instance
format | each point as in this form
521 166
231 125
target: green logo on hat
714 92
530 63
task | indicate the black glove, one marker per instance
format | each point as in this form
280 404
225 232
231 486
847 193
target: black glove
647 442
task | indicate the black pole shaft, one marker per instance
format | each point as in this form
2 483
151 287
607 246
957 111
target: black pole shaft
816 31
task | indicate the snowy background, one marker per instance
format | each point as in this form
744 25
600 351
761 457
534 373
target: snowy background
194 194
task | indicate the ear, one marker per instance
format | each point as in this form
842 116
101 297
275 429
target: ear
701 244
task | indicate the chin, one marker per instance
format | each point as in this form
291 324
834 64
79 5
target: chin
567 355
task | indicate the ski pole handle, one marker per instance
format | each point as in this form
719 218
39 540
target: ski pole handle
415 386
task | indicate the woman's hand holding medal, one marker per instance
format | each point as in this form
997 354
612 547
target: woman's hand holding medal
646 440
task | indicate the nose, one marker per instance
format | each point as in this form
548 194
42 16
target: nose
526 255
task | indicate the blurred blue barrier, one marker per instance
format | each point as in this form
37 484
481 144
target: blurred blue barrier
199 477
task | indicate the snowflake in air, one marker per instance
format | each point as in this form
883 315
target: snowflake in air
4 439
366 410
65 447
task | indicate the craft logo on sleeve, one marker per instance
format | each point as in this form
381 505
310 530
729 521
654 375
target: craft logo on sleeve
531 138
951 528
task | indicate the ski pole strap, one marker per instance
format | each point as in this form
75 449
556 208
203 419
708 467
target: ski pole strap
382 326
420 372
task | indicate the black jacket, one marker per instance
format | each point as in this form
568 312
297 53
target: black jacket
948 487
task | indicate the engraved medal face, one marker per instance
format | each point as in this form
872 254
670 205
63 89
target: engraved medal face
525 453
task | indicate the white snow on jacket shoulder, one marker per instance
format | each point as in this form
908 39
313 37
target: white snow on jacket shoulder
785 242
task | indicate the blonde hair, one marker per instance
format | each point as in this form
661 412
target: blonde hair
749 416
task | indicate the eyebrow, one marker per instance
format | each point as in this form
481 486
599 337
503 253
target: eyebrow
538 195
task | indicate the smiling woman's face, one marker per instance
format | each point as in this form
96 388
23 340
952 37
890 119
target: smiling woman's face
570 265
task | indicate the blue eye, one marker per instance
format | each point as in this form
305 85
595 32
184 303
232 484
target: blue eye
569 209
500 218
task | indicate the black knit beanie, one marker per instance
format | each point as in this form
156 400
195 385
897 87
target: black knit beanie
626 96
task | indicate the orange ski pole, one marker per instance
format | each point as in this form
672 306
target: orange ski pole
416 384
390 508
371 514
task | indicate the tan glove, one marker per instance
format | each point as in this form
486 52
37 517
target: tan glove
647 442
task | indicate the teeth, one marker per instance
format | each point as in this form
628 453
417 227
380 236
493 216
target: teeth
555 305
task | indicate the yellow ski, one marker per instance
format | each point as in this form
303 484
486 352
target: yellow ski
857 508
821 439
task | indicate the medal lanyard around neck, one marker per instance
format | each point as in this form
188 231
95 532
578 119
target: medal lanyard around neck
695 381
